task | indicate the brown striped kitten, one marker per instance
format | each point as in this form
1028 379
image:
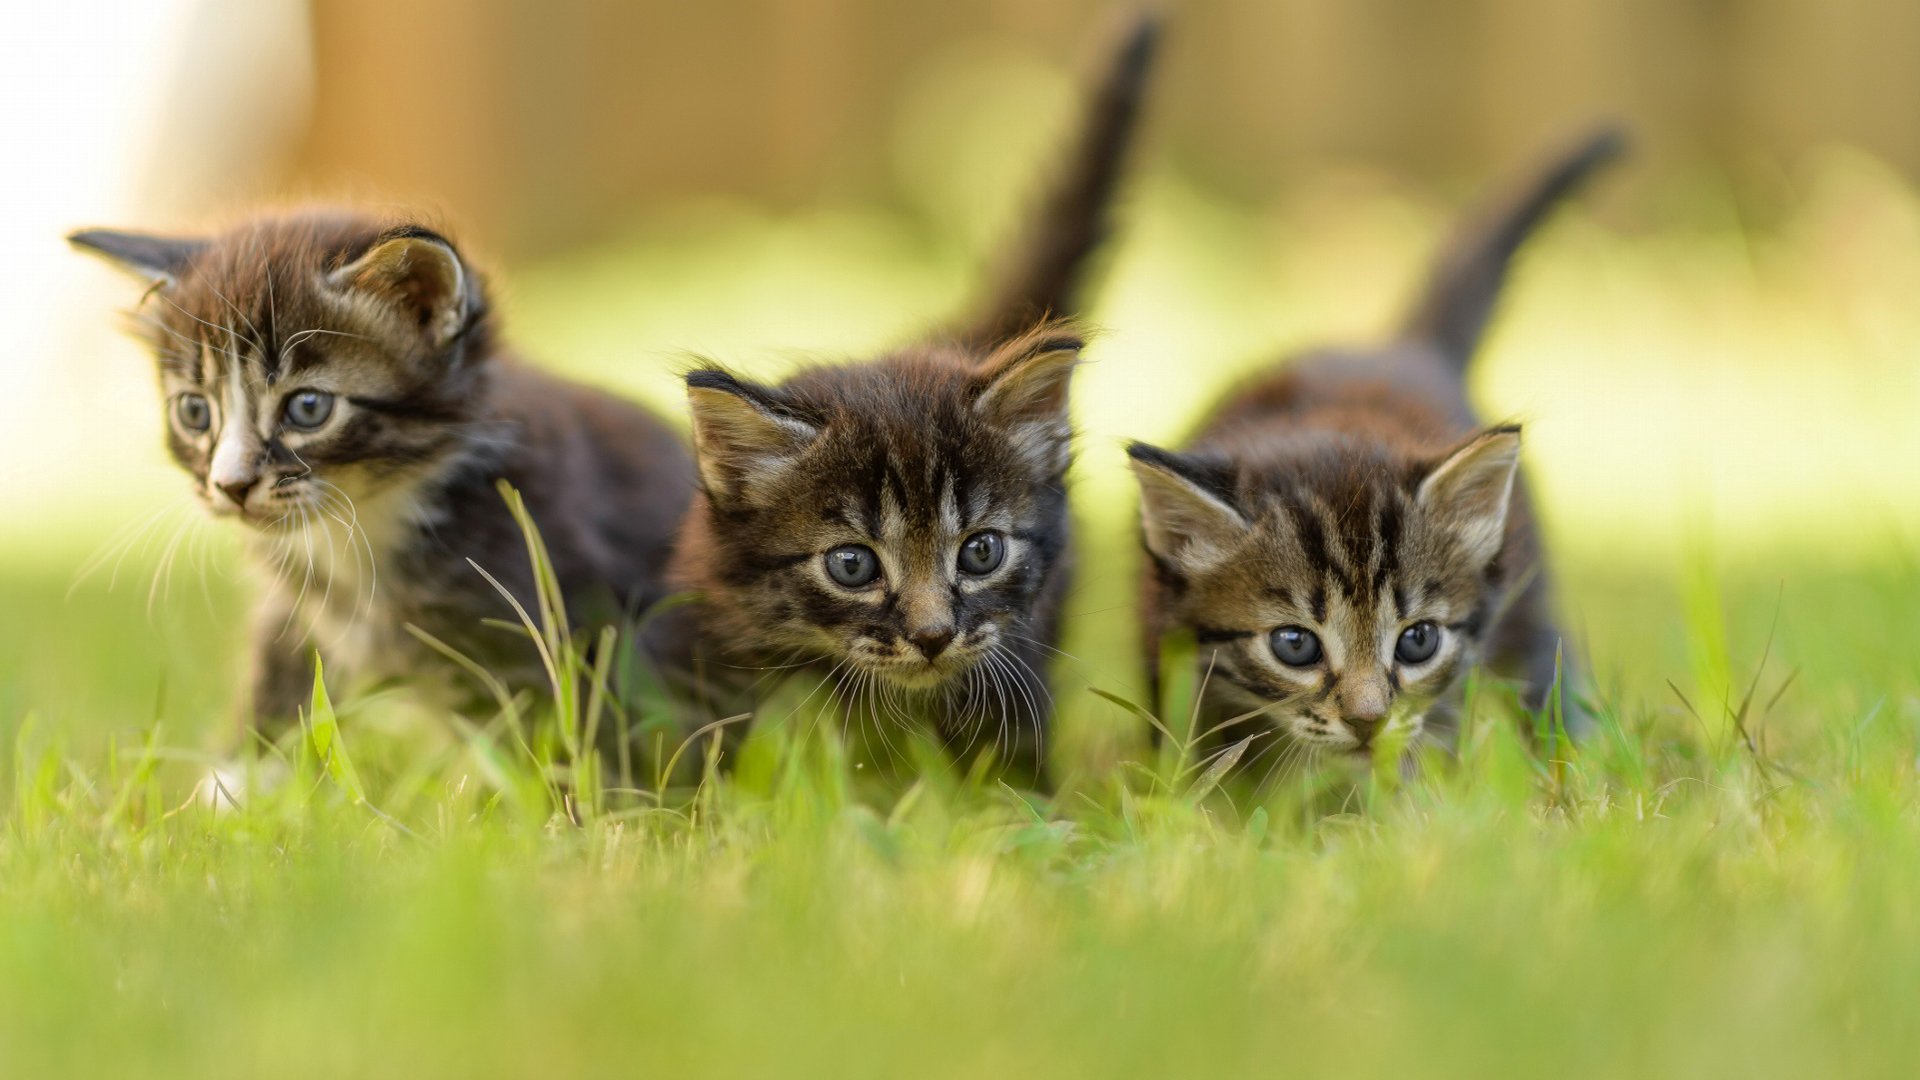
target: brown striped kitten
1343 537
900 524
334 384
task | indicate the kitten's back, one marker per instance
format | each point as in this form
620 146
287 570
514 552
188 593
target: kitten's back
1408 395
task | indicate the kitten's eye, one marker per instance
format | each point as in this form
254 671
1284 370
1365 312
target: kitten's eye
1417 643
309 408
853 565
983 553
192 412
1296 646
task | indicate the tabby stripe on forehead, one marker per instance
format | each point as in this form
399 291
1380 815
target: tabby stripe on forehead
836 514
872 490
952 514
963 495
1313 538
239 402
893 485
1386 528
269 337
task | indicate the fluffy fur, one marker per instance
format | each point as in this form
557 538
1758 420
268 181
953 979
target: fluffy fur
334 383
1343 538
936 472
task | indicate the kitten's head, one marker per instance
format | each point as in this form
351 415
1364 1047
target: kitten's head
901 516
306 357
1339 588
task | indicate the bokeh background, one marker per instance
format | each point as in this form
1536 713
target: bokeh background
1717 353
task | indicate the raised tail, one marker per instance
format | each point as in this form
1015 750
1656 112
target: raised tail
1047 265
1464 283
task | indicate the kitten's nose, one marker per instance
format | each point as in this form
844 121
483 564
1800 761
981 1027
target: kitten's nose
1364 728
932 641
1363 707
237 489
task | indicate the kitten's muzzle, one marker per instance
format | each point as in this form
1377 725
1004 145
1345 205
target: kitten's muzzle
1364 728
238 490
932 641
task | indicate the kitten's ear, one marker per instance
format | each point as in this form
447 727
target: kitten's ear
742 433
1471 488
1187 510
151 258
1025 393
417 272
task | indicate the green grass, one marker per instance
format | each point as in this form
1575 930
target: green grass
1669 901
1719 427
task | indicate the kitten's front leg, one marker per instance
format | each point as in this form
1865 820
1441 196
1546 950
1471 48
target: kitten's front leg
280 682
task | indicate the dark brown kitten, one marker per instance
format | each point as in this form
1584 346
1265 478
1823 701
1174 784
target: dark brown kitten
1342 537
334 383
901 524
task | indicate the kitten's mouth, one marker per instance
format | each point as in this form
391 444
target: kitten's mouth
266 510
918 674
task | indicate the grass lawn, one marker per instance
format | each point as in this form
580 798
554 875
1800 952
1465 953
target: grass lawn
1726 881
1667 901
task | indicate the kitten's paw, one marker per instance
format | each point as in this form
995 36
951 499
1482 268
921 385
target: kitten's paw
226 787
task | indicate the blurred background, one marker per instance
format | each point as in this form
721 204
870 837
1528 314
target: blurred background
1714 352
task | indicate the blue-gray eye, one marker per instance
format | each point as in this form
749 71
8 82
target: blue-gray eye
1296 646
192 412
853 565
983 553
1417 643
309 408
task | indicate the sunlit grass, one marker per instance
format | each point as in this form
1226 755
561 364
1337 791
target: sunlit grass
1690 892
1717 423
1668 901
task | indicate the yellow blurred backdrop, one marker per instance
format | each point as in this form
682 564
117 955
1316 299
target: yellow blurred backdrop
1719 343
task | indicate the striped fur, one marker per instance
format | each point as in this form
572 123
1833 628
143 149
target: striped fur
1351 495
909 456
912 456
365 523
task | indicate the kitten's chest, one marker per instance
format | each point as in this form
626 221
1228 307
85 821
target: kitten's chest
367 616
358 619
351 584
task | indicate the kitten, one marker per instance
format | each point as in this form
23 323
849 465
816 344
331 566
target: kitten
1344 539
901 524
334 383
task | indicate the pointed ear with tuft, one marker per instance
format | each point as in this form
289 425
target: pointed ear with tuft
1470 490
1025 393
743 434
1187 509
150 258
419 274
